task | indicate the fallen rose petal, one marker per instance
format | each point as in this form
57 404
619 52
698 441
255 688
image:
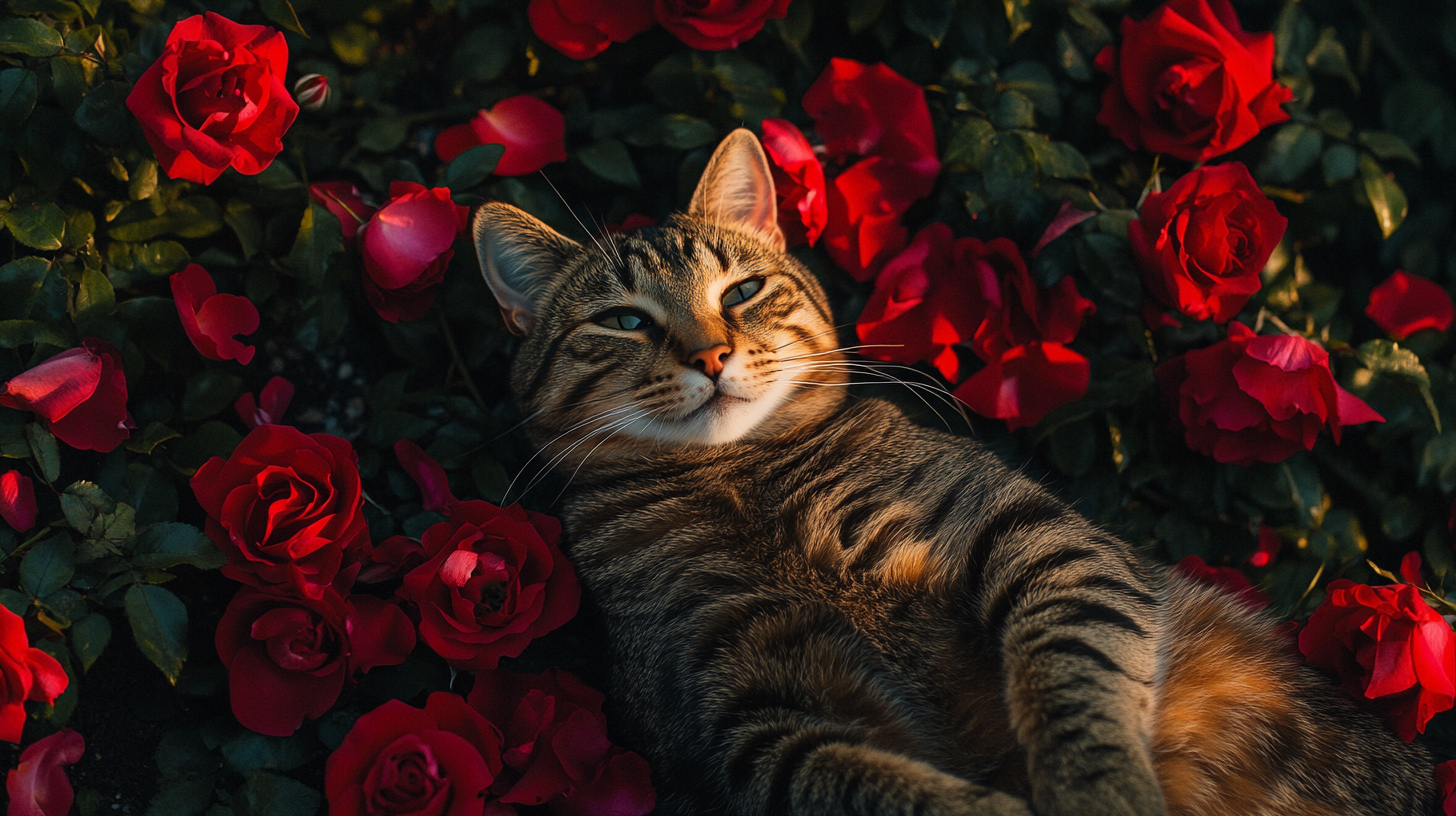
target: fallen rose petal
532 132
1405 304
17 500
428 475
211 320
1067 216
39 786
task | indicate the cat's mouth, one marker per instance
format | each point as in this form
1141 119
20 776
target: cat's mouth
716 404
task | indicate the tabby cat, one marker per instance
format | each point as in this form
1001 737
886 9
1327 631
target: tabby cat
817 607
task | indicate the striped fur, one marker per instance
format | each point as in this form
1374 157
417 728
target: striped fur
823 608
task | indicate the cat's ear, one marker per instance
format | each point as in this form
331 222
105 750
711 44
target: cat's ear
520 258
737 189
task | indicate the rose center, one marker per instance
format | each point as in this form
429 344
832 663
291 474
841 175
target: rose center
492 597
406 781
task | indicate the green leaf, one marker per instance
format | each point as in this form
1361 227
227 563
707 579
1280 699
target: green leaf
95 297
1107 262
319 237
82 502
147 441
609 160
59 9
383 133
153 495
45 451
472 167
1057 159
48 565
1328 57
210 392
20 283
1340 162
184 753
1387 145
1013 111
212 439
89 637
16 602
167 545
190 217
863 14
1386 197
249 751
268 794
1016 17
39 226
103 114
29 37
159 624
685 132
928 18
282 13
19 89
157 259
1386 358
1294 149
188 796
244 221
143 184
483 53
1032 80
968 144
80 224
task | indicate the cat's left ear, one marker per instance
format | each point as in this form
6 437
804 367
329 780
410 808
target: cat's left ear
520 258
737 190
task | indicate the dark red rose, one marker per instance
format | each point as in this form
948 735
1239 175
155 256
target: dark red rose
289 657
1446 778
1405 304
343 202
533 132
391 558
39 786
211 320
286 507
798 181
268 408
495 580
79 393
26 673
581 29
556 749
1228 579
17 500
1389 648
215 98
1258 398
407 246
1190 82
1202 244
713 25
404 761
1026 382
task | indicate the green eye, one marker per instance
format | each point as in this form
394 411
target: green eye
623 318
742 291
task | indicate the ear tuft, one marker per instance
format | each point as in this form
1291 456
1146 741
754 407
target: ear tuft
737 189
520 258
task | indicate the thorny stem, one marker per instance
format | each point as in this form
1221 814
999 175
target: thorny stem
459 360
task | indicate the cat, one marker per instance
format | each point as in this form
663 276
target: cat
816 606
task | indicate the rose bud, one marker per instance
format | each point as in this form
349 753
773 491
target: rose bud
17 500
28 672
79 393
311 91
210 319
39 786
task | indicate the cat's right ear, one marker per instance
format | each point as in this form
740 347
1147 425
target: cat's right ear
520 258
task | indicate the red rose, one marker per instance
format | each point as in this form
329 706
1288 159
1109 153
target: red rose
342 201
38 786
26 673
288 657
215 98
392 557
581 29
407 246
863 230
1202 244
1190 82
211 320
1446 778
1228 579
556 749
495 580
286 508
798 181
1026 382
533 132
1405 304
713 25
80 393
1388 647
268 408
1258 398
404 761
17 500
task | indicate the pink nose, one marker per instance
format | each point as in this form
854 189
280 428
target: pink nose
710 360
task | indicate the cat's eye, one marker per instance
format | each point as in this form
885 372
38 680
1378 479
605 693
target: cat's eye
625 318
742 291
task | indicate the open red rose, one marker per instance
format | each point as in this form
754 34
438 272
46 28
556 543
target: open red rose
343 202
581 29
26 673
1026 382
1389 648
1405 304
17 500
533 132
798 181
211 320
215 98
556 748
495 580
404 761
1202 243
1190 82
286 507
1258 398
1228 579
713 25
407 246
863 230
80 393
289 657
1446 778
268 407
39 786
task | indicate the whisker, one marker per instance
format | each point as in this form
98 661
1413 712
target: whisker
843 348
812 336
590 234
917 388
546 446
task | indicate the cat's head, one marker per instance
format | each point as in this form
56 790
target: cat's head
701 331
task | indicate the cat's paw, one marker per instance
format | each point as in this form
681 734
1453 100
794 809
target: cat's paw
1122 792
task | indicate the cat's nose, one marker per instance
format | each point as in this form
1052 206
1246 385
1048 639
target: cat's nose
710 360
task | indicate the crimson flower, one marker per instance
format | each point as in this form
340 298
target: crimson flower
713 25
38 786
407 246
428 475
1446 778
27 673
1026 382
533 133
17 500
210 319
343 202
581 29
1405 304
798 181
79 393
